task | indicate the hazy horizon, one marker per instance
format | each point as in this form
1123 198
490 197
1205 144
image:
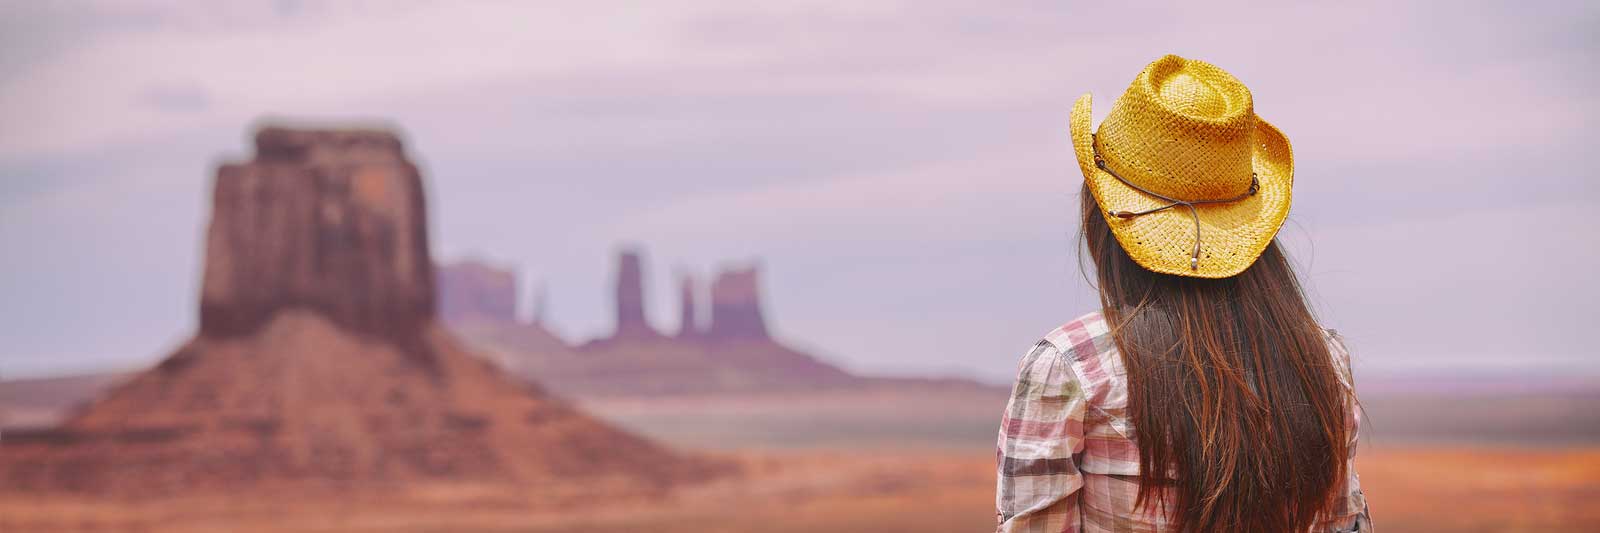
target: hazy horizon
901 170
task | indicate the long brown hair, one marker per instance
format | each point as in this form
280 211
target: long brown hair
1231 388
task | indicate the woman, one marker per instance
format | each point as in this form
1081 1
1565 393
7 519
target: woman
1203 396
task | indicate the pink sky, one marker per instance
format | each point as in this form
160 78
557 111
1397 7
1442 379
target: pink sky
901 168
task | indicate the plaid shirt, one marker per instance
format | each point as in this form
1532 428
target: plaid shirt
1067 462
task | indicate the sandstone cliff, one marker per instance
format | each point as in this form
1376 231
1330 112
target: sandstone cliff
631 321
477 301
471 291
736 306
329 221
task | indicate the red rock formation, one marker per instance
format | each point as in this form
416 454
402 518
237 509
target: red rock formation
735 354
318 358
539 304
330 221
631 321
471 291
688 317
736 306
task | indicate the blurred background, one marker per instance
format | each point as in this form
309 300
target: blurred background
806 239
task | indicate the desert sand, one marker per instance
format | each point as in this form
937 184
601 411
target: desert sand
1410 489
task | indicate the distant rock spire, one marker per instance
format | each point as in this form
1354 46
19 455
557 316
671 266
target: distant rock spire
688 316
631 321
736 306
540 296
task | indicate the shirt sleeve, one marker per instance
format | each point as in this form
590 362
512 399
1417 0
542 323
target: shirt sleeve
1038 482
1349 512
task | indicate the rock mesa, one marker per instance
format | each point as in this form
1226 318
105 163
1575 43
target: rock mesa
472 291
736 306
319 357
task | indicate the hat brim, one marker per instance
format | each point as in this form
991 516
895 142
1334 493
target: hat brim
1232 235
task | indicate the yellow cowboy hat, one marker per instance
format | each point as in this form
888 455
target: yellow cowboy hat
1192 182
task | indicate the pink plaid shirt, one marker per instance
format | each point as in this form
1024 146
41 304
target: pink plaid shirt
1066 459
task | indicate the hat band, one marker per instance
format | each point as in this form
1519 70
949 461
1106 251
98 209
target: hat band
1194 256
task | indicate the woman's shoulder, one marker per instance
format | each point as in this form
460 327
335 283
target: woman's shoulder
1080 351
1082 338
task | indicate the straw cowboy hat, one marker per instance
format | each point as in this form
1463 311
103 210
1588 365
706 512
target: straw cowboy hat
1192 182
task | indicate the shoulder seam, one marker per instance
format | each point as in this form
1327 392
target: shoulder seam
1071 357
1057 355
1057 336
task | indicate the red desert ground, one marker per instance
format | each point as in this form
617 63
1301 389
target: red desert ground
340 381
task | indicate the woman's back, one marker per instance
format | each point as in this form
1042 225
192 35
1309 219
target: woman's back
1204 396
1068 458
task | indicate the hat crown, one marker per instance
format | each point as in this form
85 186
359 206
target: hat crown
1182 130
